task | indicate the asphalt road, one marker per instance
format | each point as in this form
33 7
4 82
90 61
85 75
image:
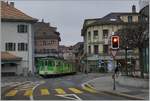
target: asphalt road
59 88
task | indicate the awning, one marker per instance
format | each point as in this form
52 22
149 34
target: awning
9 62
6 56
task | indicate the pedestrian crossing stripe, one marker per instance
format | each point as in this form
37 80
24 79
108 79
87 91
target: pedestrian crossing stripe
75 90
12 93
44 91
60 91
28 92
89 89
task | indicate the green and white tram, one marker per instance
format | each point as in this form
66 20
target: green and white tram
54 66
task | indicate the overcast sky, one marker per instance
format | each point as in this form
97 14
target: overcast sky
68 16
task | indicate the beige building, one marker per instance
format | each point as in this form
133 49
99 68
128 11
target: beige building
97 32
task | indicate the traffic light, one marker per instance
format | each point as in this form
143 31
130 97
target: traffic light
115 42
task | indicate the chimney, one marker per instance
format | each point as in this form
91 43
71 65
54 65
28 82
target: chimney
12 4
133 9
49 24
42 20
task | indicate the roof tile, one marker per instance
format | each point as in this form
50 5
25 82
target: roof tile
9 12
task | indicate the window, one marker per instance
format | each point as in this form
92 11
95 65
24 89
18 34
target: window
89 49
95 34
129 18
143 18
89 35
44 43
22 28
44 33
95 49
105 48
22 46
52 42
10 46
105 33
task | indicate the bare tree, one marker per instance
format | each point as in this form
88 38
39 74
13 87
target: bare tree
132 37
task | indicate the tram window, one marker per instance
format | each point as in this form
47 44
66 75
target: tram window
42 63
50 63
58 63
46 62
65 65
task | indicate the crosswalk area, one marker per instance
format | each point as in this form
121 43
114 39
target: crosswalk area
48 92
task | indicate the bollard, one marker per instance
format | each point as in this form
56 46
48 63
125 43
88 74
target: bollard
114 81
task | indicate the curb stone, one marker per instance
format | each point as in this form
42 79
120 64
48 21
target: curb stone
115 93
123 95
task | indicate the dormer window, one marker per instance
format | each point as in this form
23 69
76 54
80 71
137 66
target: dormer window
129 19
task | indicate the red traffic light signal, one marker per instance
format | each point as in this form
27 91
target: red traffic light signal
115 42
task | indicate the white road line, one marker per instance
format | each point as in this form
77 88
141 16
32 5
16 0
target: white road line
31 97
83 84
70 96
77 97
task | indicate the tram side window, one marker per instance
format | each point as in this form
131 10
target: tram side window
65 65
50 63
59 63
42 64
46 62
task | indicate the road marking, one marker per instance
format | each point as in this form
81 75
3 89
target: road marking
28 92
75 90
60 91
31 97
44 91
12 93
89 89
70 97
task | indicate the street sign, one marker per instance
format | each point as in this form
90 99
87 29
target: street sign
113 53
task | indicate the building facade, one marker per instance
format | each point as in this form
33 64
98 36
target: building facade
144 19
46 40
97 33
17 35
67 53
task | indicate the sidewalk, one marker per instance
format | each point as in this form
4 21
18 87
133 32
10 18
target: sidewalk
105 84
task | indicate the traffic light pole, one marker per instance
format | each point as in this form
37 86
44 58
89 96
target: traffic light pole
114 80
115 46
